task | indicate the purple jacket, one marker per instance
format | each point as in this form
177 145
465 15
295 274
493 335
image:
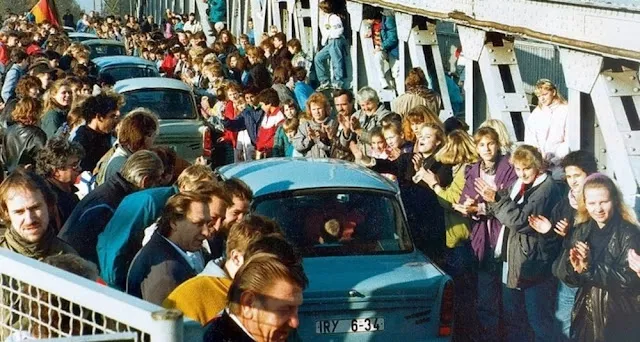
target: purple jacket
481 226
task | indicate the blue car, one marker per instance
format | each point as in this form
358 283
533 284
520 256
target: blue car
367 282
124 67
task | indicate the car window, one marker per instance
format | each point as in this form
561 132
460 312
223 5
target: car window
339 223
166 103
107 50
121 73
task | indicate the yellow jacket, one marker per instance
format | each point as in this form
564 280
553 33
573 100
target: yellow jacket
200 298
456 226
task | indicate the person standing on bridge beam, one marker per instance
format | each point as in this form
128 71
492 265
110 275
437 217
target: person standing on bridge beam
334 49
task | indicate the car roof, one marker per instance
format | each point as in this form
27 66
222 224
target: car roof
150 83
81 34
101 42
273 175
107 61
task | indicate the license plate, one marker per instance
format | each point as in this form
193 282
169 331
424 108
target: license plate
341 326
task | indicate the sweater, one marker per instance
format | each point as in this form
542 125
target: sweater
200 298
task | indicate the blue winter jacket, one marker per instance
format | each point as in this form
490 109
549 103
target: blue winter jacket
217 11
302 91
249 119
389 35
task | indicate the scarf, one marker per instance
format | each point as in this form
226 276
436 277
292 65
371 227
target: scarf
35 250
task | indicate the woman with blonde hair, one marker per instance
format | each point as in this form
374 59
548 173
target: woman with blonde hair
57 102
594 259
506 144
459 262
529 288
547 127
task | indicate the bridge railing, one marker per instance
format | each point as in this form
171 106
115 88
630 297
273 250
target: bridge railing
38 299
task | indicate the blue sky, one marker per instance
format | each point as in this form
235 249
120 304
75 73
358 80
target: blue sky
87 5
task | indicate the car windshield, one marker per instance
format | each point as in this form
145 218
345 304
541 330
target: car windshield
107 50
121 73
166 103
339 223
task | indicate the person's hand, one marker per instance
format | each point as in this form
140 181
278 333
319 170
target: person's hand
393 153
312 133
204 103
430 178
357 153
562 227
634 261
540 223
345 123
468 207
579 257
485 190
417 160
327 131
200 161
355 124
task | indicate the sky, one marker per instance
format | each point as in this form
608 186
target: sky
87 5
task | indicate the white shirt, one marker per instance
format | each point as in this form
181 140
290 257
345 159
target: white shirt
193 28
547 130
195 260
330 27
237 320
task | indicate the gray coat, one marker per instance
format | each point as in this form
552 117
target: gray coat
530 254
313 148
368 123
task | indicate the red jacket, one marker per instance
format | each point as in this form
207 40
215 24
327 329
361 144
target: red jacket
230 114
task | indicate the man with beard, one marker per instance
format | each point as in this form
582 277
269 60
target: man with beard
241 196
343 102
26 203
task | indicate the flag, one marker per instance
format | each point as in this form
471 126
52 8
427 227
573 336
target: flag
46 10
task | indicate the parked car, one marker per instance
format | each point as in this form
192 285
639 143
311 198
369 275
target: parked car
367 282
81 36
104 47
181 127
123 67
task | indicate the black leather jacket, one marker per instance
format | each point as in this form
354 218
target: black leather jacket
607 306
20 145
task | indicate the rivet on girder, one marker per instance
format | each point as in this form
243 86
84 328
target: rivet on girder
596 125
513 59
632 78
629 136
609 78
490 50
615 90
509 50
633 149
604 150
636 89
495 60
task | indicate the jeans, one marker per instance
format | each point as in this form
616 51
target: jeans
336 51
528 313
565 300
490 301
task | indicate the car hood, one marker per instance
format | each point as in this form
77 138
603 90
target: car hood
372 278
181 127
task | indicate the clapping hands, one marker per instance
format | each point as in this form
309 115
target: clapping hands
579 257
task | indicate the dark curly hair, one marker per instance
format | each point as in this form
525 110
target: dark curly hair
56 155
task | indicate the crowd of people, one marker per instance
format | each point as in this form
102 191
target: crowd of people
539 244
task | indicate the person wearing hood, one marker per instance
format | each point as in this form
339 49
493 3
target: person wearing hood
315 135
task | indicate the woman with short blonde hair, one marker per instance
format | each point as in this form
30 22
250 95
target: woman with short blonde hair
547 127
